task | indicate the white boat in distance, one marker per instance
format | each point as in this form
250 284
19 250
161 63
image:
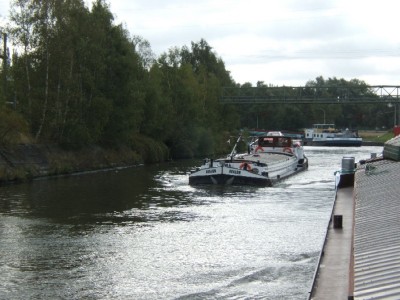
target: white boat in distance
328 135
270 158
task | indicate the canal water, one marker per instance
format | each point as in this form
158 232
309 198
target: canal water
144 233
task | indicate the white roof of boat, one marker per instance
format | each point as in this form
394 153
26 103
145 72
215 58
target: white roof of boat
274 133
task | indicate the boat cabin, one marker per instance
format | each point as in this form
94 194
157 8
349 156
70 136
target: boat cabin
327 128
320 131
274 141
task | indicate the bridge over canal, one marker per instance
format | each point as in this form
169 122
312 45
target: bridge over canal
312 95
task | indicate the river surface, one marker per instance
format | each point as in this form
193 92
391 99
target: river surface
144 233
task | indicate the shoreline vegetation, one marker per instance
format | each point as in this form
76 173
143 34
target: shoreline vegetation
21 162
24 162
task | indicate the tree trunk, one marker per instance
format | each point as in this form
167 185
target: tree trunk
68 95
28 79
46 97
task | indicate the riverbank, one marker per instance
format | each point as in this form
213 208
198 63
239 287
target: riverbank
375 137
24 162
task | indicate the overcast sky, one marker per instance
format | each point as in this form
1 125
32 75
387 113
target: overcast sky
281 42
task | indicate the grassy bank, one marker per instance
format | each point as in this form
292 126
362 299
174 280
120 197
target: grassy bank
23 162
376 136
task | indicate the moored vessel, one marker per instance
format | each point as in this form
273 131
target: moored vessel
328 135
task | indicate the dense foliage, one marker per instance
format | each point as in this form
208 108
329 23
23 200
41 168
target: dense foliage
76 78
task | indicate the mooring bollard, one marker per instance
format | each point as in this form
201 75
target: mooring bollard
338 221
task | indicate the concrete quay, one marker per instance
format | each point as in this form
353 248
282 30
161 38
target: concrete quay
332 277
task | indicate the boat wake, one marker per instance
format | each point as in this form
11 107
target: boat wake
282 281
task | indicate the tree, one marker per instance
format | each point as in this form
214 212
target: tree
21 15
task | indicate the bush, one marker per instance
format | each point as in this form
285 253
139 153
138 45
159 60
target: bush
13 127
150 149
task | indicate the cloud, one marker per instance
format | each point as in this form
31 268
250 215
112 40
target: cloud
279 42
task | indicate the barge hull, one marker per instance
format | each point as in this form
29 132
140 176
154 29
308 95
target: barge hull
254 180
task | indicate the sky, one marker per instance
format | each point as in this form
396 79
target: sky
285 42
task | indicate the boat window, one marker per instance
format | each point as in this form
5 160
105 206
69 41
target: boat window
266 142
275 141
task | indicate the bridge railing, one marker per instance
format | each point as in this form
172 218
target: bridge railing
312 95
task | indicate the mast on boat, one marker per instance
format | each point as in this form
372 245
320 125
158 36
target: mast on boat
234 147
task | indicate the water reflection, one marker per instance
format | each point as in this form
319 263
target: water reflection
113 194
